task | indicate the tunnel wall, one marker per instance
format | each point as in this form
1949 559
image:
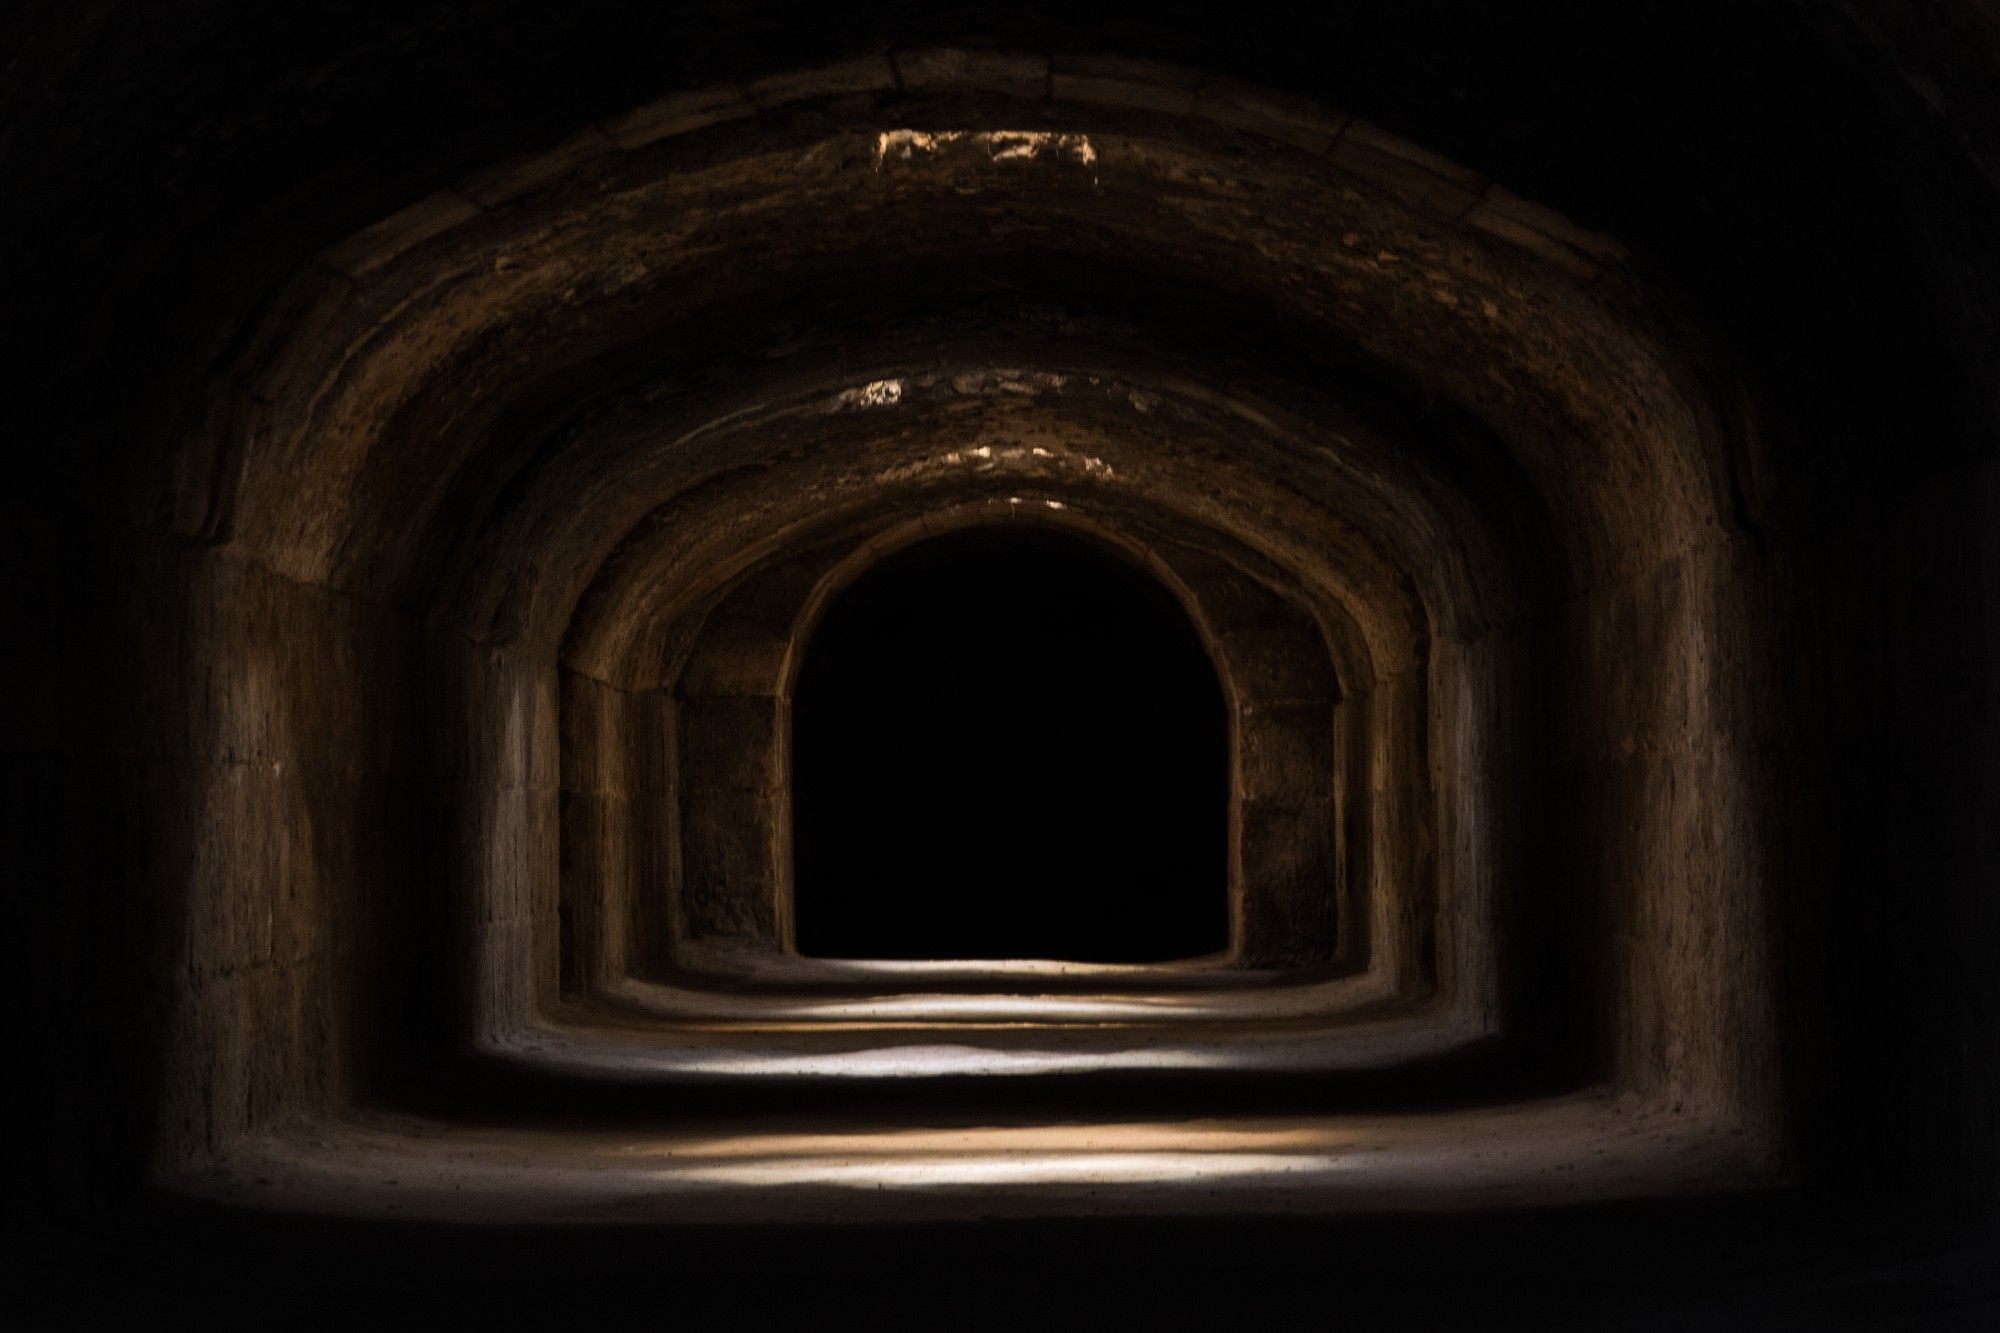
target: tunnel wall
619 832
255 788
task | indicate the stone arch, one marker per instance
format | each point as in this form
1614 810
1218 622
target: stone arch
741 666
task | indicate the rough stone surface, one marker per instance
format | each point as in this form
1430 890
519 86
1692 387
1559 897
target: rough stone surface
423 424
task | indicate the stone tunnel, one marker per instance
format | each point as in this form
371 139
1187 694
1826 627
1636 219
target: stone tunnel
1111 664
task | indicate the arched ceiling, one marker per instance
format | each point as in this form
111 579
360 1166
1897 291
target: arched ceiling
679 337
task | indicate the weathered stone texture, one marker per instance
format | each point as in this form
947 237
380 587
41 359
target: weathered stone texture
418 531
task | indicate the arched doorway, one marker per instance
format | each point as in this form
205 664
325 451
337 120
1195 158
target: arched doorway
1009 743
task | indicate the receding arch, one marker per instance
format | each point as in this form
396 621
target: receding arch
1296 899
1009 742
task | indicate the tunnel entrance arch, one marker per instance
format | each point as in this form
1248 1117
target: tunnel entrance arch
1009 742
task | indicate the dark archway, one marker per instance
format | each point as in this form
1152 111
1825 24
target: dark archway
1009 743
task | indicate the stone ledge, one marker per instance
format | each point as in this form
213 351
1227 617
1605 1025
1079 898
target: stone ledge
1415 176
679 113
518 176
427 219
870 74
1112 81
1254 110
1543 231
989 71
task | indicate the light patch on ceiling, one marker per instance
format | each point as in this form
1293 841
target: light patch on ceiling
1035 460
875 393
1025 383
1000 145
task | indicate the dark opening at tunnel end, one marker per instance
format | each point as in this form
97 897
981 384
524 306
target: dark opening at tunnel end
1009 744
